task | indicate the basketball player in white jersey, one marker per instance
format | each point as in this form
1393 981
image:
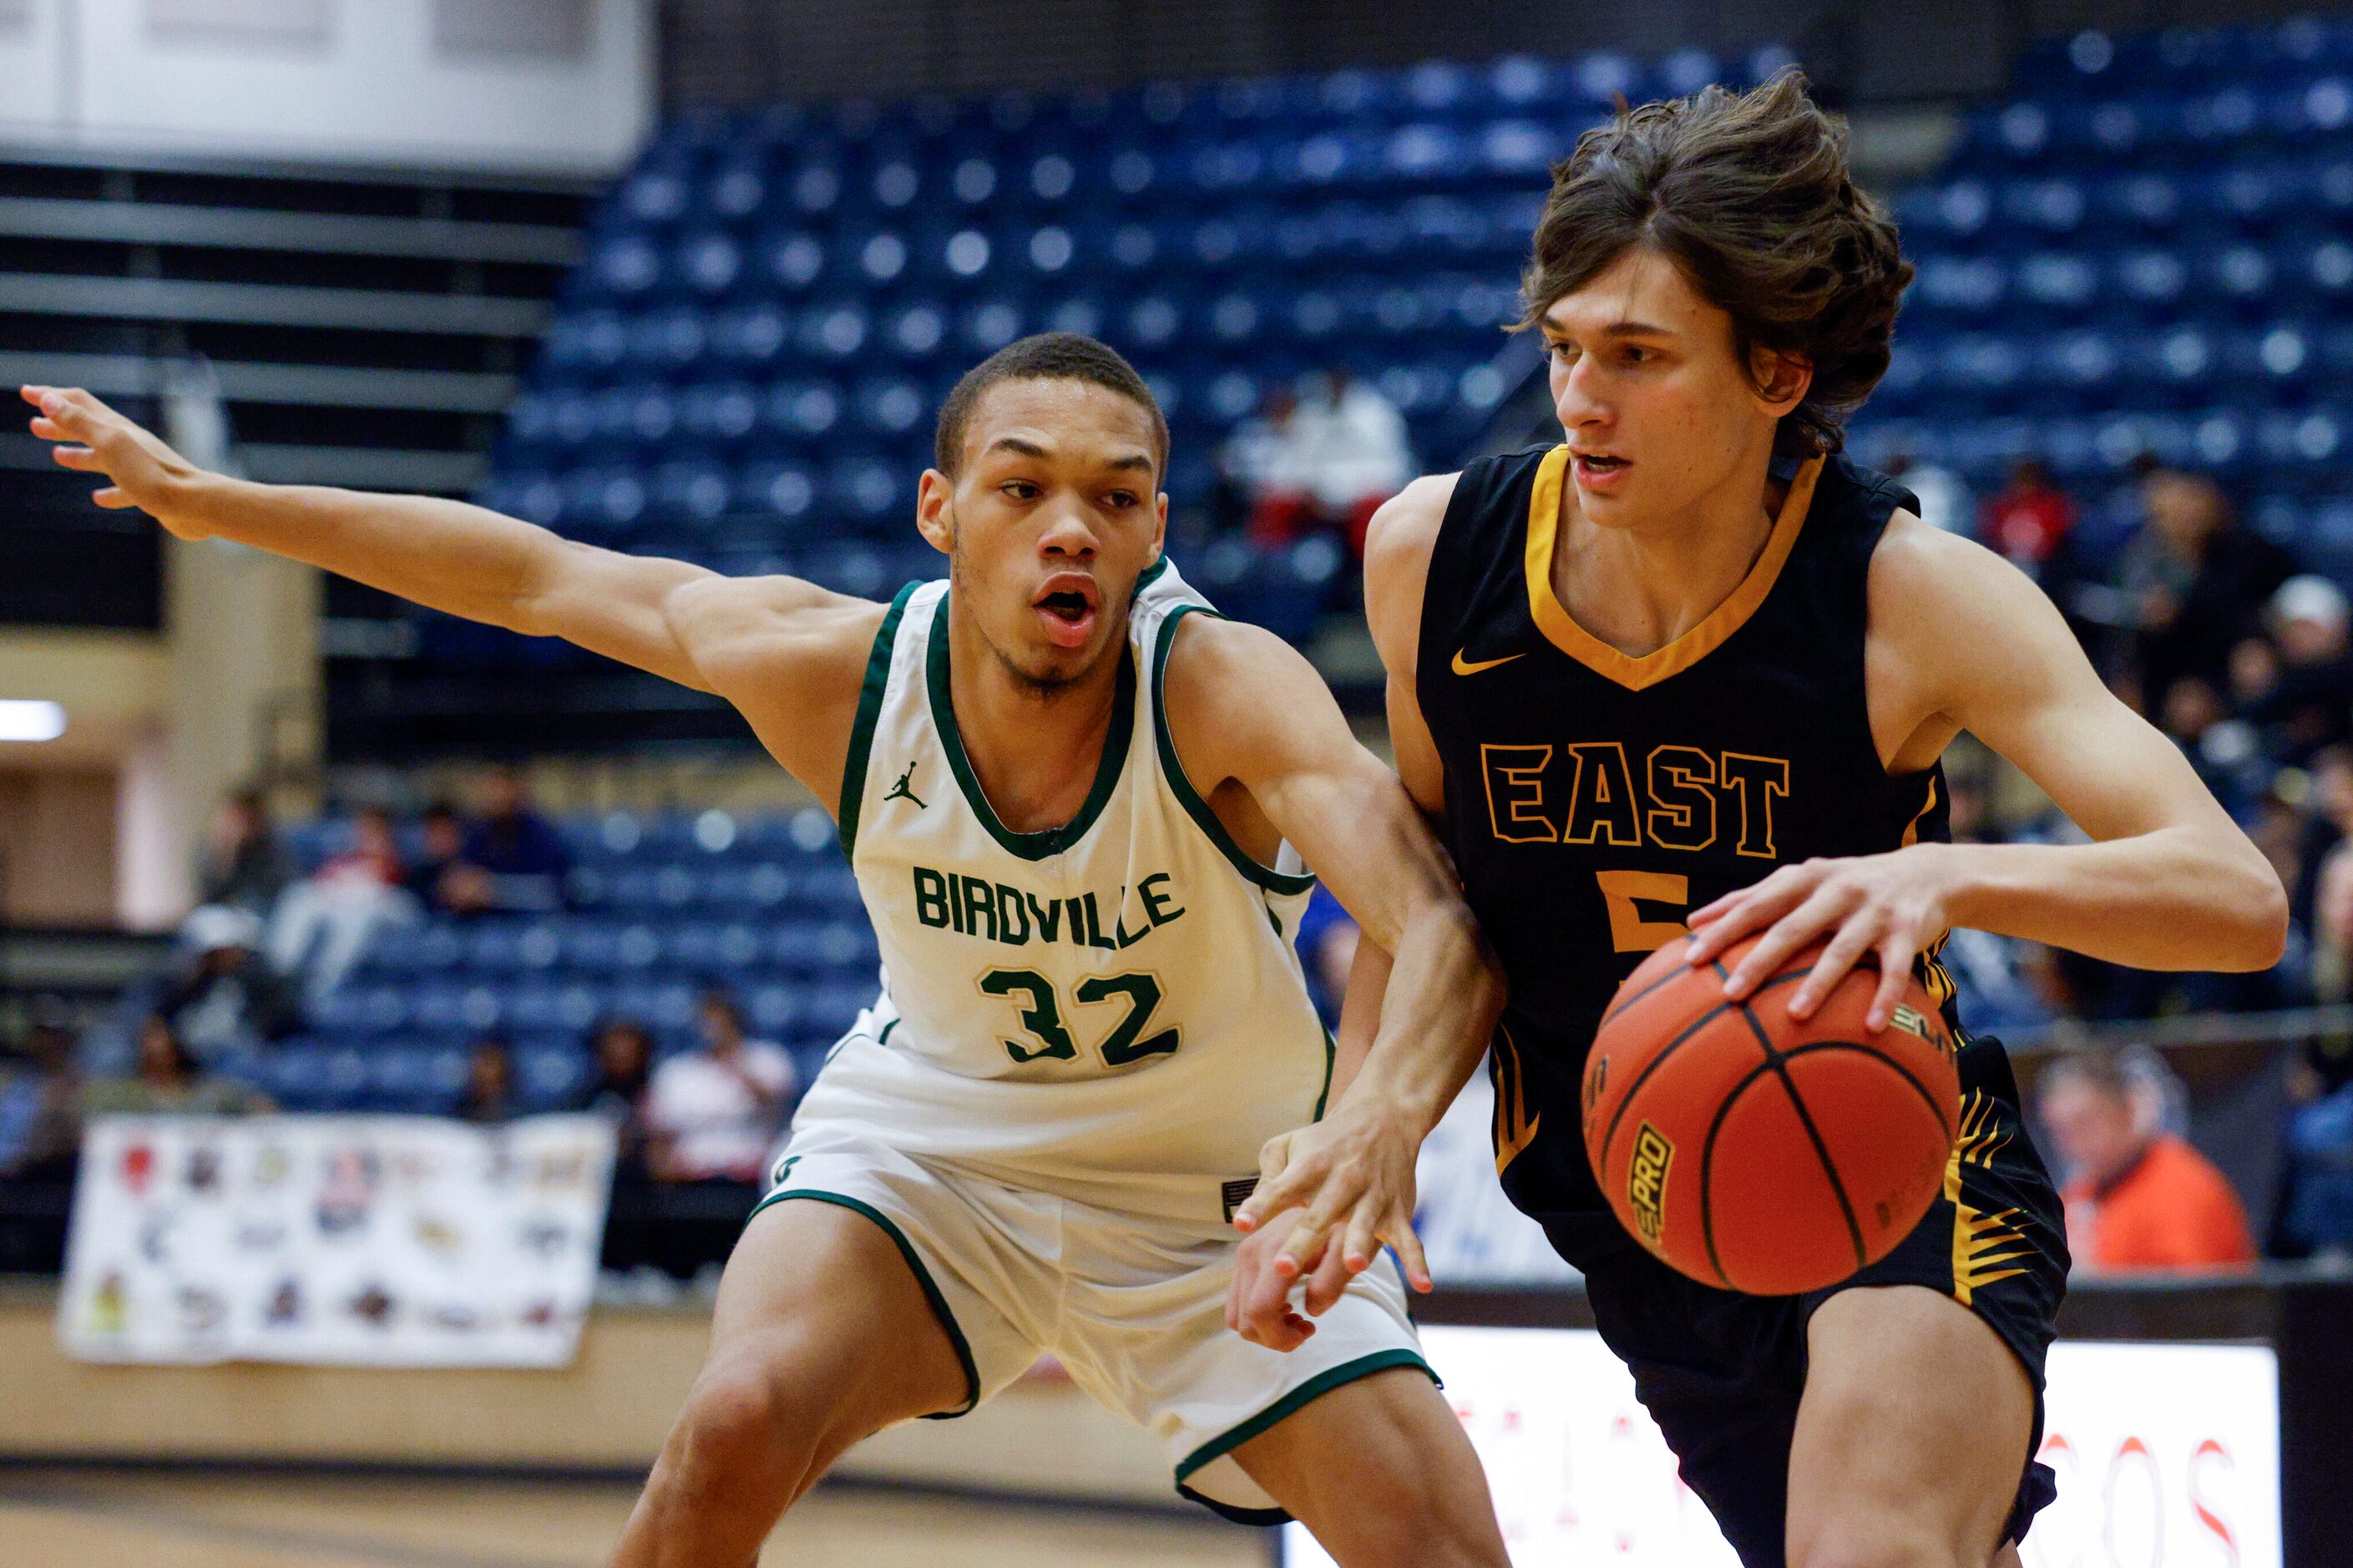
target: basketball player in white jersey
1078 805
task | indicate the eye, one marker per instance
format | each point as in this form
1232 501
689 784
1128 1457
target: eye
1019 490
1562 350
1123 500
1636 355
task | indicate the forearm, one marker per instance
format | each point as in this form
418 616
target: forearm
444 554
1435 1016
2176 898
1360 1016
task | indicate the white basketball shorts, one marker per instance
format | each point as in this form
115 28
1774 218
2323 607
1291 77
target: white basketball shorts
1134 1307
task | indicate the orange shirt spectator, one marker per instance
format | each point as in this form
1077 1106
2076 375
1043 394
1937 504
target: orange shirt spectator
2137 1197
2173 1210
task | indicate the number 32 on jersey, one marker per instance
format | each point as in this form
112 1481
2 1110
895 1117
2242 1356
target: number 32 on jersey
1042 1015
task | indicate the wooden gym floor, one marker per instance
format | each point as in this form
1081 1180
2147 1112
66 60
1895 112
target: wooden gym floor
184 1520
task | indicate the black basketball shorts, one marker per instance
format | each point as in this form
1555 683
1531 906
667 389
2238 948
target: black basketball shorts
1721 1373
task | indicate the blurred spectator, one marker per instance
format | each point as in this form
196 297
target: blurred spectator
243 864
1257 488
489 1099
442 879
2137 1197
225 998
520 850
1944 498
2325 815
711 1113
322 922
2196 582
169 1080
2303 701
2029 519
40 1110
620 1071
1327 463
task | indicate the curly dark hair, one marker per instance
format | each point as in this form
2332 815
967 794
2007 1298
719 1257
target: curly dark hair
1749 195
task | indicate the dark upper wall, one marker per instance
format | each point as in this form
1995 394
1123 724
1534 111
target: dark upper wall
739 51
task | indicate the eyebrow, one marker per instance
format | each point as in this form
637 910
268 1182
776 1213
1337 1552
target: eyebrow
1552 328
1136 460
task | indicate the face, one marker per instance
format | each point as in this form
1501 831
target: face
1055 514
621 1052
444 837
719 1026
2183 511
2311 639
1659 411
501 794
2093 1129
157 1060
490 1071
374 831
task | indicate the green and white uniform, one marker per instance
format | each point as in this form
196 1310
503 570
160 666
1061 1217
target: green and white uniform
1083 1037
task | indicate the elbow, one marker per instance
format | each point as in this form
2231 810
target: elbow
2259 921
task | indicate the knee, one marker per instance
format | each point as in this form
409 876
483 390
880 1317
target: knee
750 1410
1867 1542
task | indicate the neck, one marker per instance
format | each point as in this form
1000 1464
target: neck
1035 750
1640 587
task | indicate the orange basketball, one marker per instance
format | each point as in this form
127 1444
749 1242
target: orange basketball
1756 1152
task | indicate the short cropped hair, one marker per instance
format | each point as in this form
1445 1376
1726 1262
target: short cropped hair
1045 356
2102 1071
1750 197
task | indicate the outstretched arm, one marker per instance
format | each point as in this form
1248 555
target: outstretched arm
1962 640
786 653
1250 709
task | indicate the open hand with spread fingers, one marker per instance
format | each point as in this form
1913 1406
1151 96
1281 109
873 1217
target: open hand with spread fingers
1892 905
1351 1172
92 438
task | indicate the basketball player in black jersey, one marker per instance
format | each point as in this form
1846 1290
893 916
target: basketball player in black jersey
1694 669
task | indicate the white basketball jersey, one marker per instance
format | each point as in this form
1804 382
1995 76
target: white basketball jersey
1112 1009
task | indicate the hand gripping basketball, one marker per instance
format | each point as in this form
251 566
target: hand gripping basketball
1757 1153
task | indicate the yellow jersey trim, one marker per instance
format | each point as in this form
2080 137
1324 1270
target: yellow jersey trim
1628 670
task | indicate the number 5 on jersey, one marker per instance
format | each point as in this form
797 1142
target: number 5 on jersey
1042 1015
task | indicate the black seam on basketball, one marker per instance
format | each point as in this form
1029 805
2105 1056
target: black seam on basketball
1813 1133
1610 1139
1707 1171
1601 1158
1616 1007
1867 1048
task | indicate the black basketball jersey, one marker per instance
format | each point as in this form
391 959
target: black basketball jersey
1594 799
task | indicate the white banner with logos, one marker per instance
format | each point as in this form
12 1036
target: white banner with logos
2167 1456
358 1240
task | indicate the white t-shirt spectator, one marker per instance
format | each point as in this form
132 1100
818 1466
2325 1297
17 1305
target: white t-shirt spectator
716 1124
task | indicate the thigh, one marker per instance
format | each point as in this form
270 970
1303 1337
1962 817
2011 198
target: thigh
1916 1424
1380 1471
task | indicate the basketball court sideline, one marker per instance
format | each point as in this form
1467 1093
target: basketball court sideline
183 1520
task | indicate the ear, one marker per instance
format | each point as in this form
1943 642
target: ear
934 519
1781 380
1160 526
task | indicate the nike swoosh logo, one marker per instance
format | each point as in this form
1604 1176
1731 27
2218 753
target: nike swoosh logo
1464 667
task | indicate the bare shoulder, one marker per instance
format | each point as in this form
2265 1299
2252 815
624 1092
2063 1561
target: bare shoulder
1237 696
1216 667
1955 618
746 633
1397 547
1405 530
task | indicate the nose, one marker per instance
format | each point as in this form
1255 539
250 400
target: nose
1070 534
1578 396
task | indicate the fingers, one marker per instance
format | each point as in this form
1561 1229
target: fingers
1737 914
81 459
1896 952
113 500
1308 1239
1790 933
1401 1236
1860 932
1364 1237
1328 1283
1269 1197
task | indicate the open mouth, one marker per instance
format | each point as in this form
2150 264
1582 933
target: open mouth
1067 603
1600 465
